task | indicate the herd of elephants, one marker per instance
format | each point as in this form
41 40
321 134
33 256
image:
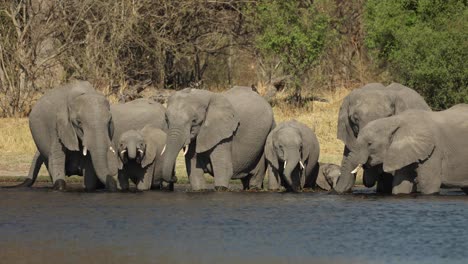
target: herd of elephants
390 132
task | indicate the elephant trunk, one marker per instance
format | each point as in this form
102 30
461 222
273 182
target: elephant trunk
99 147
131 150
349 167
174 143
292 171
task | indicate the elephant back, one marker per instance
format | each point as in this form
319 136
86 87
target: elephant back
136 115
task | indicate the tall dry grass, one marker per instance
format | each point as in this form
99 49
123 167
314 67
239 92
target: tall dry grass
17 147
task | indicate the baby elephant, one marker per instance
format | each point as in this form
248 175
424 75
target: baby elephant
292 152
328 176
140 158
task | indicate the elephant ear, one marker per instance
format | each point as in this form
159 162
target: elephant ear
154 140
398 104
221 121
270 153
410 144
345 133
65 130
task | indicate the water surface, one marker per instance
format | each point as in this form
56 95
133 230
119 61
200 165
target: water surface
39 225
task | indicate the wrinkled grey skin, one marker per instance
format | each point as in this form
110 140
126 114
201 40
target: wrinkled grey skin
423 150
141 158
288 145
361 106
224 132
328 176
63 122
139 122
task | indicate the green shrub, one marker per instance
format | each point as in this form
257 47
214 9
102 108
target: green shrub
424 45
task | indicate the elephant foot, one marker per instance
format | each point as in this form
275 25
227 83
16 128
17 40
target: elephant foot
60 185
27 183
221 188
111 184
335 192
254 189
170 187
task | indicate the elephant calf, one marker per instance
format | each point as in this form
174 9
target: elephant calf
328 175
292 152
141 154
423 150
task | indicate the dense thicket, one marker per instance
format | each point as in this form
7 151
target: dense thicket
311 45
423 44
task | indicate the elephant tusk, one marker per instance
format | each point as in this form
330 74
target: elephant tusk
164 149
302 164
357 168
284 166
85 151
112 149
123 152
185 150
141 151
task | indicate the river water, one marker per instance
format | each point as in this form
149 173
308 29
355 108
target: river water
42 226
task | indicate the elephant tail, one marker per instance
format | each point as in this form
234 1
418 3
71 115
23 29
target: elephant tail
36 164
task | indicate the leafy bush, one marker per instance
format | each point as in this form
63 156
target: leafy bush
294 32
424 44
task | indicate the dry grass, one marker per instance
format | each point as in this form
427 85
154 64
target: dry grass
17 147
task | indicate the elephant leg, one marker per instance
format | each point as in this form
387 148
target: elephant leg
195 173
274 180
246 182
145 182
90 179
258 174
221 161
122 181
370 176
403 181
57 165
429 176
385 183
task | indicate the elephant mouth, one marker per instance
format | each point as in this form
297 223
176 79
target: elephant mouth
140 153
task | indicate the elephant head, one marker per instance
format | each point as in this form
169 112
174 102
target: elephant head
140 146
84 123
358 109
391 142
197 120
286 154
328 176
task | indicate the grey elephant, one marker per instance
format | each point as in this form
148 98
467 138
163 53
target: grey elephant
361 106
423 150
141 154
139 138
222 134
328 175
72 128
292 152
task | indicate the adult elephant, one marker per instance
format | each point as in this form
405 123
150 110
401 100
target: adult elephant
222 134
423 150
361 106
139 132
72 128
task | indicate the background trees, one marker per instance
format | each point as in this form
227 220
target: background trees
423 44
307 45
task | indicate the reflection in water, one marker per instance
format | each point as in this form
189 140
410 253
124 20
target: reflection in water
243 227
